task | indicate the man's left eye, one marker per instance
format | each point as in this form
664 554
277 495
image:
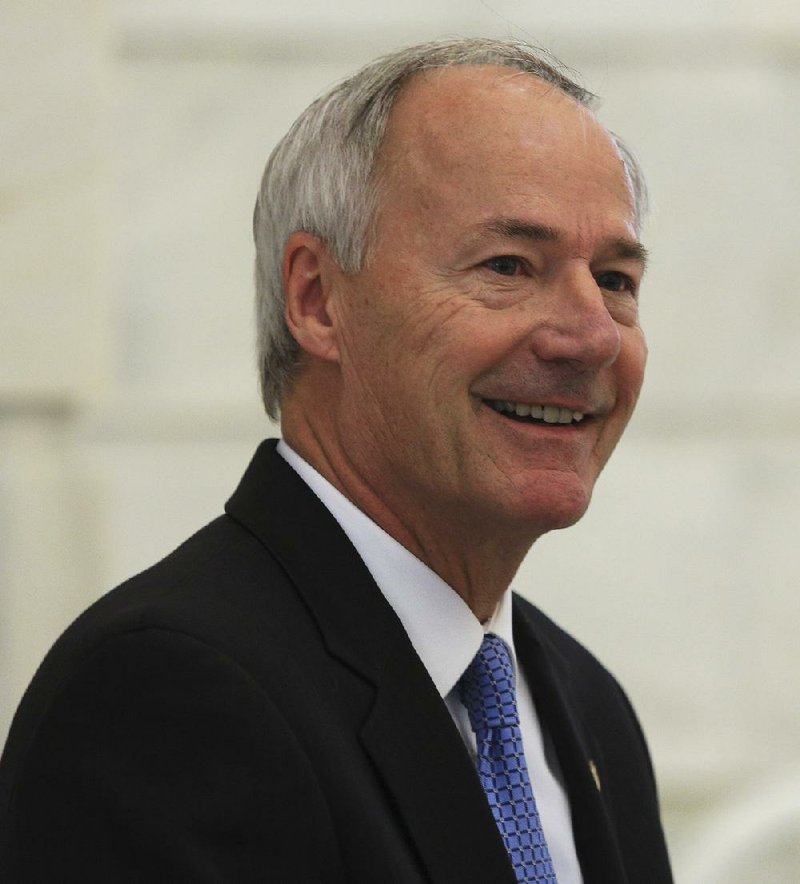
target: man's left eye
613 281
505 265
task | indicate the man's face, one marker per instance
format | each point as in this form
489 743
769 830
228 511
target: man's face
498 304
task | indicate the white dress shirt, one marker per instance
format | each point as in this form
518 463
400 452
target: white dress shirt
446 635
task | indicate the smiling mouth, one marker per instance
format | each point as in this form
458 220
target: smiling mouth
536 414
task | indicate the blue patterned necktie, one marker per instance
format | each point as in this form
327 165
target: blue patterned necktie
488 692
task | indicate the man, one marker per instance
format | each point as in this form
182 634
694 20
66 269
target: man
448 270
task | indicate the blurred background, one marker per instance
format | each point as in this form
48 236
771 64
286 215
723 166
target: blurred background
133 139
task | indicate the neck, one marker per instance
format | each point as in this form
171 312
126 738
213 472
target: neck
477 560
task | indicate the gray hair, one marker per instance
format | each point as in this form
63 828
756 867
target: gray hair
320 177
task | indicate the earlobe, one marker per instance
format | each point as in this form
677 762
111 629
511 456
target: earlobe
307 286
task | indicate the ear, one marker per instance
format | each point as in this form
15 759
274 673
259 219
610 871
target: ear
307 284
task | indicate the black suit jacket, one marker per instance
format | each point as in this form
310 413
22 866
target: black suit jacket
250 709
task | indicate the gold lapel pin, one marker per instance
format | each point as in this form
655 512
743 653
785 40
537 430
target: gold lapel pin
595 775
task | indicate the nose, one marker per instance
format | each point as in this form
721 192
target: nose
574 324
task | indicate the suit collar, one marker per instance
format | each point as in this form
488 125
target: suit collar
409 733
275 505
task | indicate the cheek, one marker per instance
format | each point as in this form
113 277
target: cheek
471 338
438 344
628 375
367 339
630 365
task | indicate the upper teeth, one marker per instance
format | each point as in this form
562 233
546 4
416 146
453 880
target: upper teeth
550 414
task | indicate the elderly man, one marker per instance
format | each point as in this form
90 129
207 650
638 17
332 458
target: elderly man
333 682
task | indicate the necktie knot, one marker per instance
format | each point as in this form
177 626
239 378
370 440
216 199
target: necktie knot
487 688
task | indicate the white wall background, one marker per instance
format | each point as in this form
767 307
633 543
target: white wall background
134 135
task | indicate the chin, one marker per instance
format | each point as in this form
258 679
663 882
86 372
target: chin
561 504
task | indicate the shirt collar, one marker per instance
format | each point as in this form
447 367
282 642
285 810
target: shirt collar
443 630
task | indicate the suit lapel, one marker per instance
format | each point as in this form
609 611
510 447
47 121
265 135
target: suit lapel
408 734
413 742
547 672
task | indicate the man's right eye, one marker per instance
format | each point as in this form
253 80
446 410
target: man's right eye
505 265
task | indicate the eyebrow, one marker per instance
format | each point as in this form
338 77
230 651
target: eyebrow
514 228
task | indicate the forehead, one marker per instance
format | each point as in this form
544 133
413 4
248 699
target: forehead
479 131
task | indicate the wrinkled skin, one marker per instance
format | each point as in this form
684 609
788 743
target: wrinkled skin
504 265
